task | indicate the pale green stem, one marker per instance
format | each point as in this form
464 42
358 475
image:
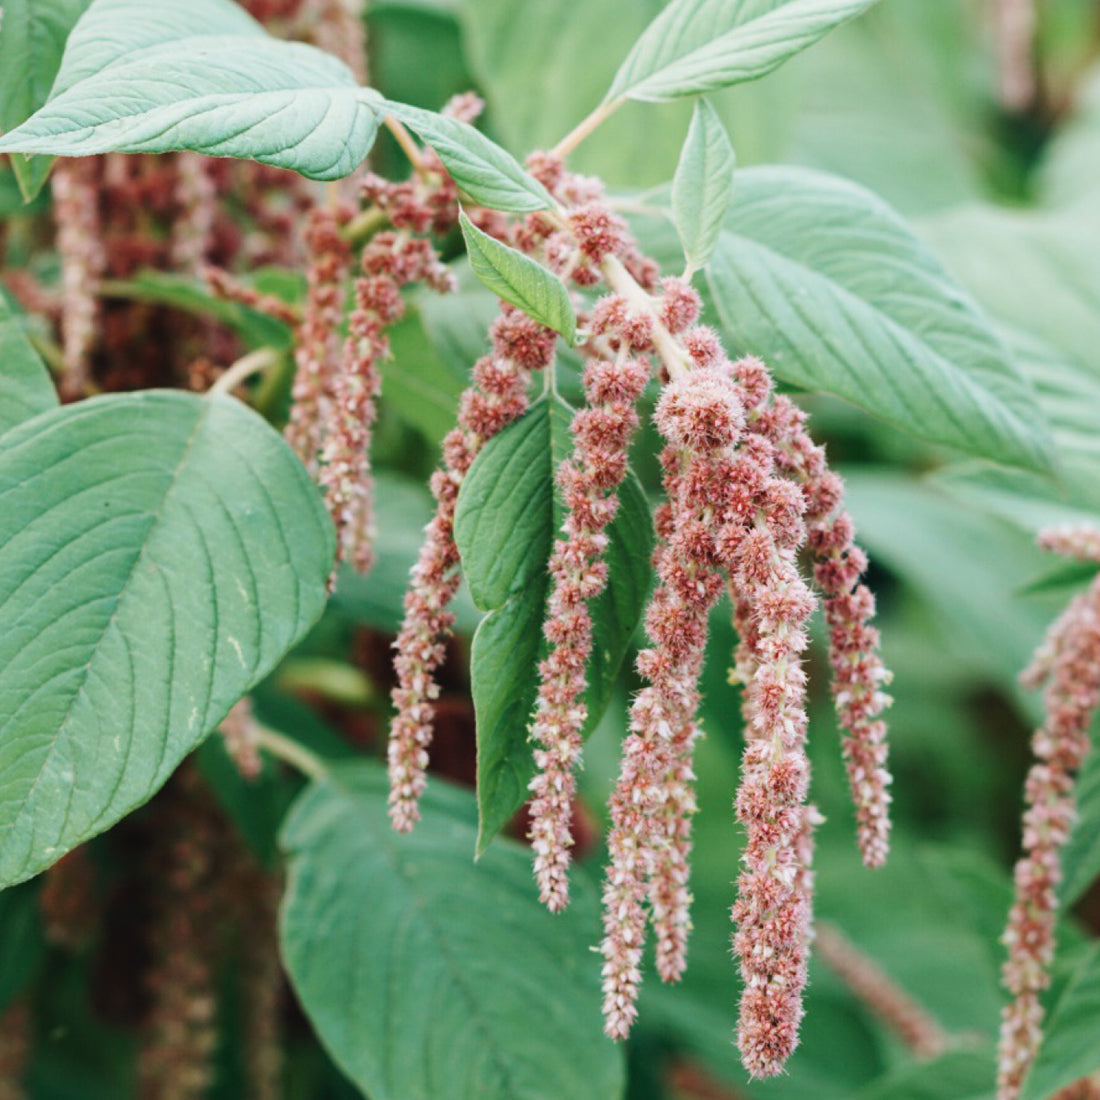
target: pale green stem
253 363
408 146
575 136
364 226
675 358
292 752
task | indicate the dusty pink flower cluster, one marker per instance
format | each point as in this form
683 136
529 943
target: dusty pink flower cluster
389 262
336 391
241 734
317 351
1068 662
497 397
588 480
859 675
80 247
197 197
746 489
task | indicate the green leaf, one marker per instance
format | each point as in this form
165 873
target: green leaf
419 384
490 175
427 975
520 280
825 281
697 46
162 288
159 553
1064 576
1081 858
701 187
205 76
508 515
1069 1050
32 37
25 386
957 1075
941 549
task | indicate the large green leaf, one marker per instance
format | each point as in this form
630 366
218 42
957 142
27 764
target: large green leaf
25 386
697 46
159 552
701 187
200 75
32 37
957 1075
1038 274
1069 1050
427 975
826 282
520 280
898 101
508 515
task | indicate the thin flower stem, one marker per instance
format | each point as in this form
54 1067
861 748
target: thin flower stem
364 226
254 362
408 146
49 349
600 115
622 282
292 752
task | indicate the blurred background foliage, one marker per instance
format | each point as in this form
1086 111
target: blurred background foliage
905 101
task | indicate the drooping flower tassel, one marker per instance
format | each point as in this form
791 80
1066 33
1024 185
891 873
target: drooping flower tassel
241 735
176 1060
390 261
231 289
772 912
317 350
701 419
859 676
589 480
196 197
1070 662
76 212
497 397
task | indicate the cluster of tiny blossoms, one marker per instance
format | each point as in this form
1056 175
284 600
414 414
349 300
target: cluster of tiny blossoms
497 397
520 347
1068 662
79 245
390 261
745 490
337 386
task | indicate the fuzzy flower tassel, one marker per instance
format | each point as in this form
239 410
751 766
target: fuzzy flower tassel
1069 664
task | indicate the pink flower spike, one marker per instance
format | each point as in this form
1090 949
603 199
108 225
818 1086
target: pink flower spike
590 478
498 397
1070 662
